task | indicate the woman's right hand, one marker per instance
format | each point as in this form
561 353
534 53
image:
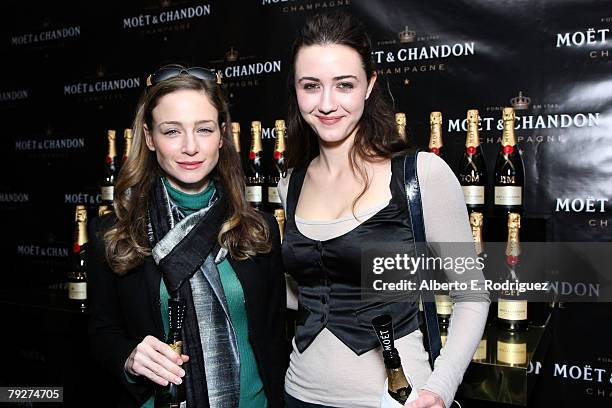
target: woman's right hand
157 361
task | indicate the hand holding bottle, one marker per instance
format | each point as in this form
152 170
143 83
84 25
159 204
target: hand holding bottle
157 361
426 399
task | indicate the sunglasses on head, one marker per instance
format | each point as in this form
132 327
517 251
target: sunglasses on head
205 74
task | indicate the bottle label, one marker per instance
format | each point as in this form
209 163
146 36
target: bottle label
474 195
108 193
77 290
512 309
254 194
273 196
512 353
444 305
481 351
508 195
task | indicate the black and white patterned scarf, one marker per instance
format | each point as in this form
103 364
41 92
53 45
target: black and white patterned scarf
185 250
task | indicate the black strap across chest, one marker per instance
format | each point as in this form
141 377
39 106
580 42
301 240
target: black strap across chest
413 197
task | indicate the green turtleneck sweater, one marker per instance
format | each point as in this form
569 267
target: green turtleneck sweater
252 394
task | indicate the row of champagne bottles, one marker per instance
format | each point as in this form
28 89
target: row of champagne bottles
509 175
77 295
472 172
511 311
262 176
261 179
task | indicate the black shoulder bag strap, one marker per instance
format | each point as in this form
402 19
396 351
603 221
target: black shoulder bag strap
413 197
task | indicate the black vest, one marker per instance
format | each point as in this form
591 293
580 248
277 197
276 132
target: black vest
328 272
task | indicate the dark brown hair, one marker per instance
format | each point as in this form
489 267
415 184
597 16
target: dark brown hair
244 234
377 136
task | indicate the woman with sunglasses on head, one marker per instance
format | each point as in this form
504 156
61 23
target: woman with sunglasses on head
345 191
182 230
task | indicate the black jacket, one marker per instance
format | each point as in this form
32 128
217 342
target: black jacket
124 310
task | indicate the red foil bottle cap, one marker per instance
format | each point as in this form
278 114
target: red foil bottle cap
508 149
252 155
435 150
76 248
471 150
512 260
277 155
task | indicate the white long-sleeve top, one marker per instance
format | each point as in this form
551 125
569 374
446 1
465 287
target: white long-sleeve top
329 373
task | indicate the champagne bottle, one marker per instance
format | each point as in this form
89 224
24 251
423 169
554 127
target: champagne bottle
480 355
509 172
278 169
511 306
397 384
511 348
279 214
127 148
476 223
255 178
444 308
400 120
472 170
77 277
435 136
236 137
107 185
172 395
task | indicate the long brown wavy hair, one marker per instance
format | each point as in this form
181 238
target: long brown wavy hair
377 137
244 234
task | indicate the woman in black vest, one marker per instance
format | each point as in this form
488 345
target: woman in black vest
346 190
182 229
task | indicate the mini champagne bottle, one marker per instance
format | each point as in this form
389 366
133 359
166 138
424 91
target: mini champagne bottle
509 170
278 169
472 169
236 139
436 145
172 395
107 184
397 383
77 278
511 306
255 178
400 120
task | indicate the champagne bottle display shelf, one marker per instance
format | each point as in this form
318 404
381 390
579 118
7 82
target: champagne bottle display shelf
504 361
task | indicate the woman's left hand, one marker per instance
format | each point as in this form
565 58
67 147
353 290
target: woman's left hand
426 399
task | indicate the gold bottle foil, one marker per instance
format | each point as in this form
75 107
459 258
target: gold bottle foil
236 135
256 145
279 129
279 214
400 120
476 221
112 150
81 221
435 137
128 136
508 138
514 224
472 140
